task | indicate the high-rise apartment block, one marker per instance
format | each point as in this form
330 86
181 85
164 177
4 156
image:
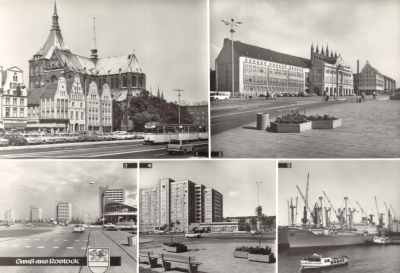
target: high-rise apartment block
64 211
179 202
36 214
117 195
10 216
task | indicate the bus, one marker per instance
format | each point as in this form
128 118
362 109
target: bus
158 132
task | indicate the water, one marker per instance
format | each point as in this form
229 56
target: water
385 259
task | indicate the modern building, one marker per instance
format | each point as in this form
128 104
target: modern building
123 74
260 70
9 216
370 80
118 212
36 214
64 211
200 114
179 202
117 195
13 99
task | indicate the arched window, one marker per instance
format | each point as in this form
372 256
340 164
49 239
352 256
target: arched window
112 82
53 79
133 81
36 70
123 82
141 82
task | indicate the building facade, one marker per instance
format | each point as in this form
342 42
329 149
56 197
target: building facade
93 111
371 80
115 195
106 109
9 216
122 74
200 114
77 105
261 71
36 214
179 202
13 99
64 211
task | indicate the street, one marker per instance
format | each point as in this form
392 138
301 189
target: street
123 149
59 242
231 117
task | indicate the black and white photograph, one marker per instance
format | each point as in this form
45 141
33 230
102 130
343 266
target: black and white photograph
207 216
339 216
103 79
303 79
53 214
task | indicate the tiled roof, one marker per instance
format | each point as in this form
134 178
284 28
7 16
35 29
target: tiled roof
111 65
3 77
77 63
69 83
256 52
49 90
54 41
34 95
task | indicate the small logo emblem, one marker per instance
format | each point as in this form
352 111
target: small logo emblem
98 259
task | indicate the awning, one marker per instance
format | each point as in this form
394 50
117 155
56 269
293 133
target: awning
14 125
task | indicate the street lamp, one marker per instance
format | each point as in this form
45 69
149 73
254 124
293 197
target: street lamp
80 217
179 105
258 192
118 221
233 66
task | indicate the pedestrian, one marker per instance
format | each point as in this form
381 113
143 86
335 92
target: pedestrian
272 95
374 94
326 96
335 96
362 96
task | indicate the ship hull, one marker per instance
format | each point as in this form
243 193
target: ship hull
305 239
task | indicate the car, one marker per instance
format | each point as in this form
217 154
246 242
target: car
46 138
395 95
4 141
108 225
192 235
255 232
180 146
78 228
30 138
216 96
315 95
262 95
15 139
139 135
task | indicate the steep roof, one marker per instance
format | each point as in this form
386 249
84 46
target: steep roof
77 63
69 83
111 65
256 52
49 90
34 95
3 77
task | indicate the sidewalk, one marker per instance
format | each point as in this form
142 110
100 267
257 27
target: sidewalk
100 239
369 130
217 258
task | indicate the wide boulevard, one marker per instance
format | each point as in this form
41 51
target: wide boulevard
121 149
225 118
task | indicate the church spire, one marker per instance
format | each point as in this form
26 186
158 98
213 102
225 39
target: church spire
162 95
94 45
158 92
55 25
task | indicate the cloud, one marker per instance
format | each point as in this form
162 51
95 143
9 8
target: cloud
233 193
132 195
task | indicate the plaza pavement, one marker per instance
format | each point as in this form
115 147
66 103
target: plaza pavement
369 130
216 258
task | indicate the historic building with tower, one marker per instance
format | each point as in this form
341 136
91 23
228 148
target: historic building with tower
260 70
122 74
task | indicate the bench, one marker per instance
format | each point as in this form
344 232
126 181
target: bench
150 257
167 259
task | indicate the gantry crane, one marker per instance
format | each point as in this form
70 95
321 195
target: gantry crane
394 213
380 215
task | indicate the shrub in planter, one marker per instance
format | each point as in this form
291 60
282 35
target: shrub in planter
318 117
291 123
241 252
174 247
259 254
324 122
294 118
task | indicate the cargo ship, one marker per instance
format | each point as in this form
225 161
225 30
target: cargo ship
299 238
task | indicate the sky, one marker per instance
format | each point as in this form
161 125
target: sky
358 30
359 180
169 37
236 180
42 183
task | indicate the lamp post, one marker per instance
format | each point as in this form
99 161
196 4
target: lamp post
80 217
118 221
179 105
102 207
233 65
258 192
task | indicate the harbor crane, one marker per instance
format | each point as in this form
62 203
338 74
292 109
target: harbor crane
380 215
394 213
291 212
296 209
389 216
333 209
304 220
362 211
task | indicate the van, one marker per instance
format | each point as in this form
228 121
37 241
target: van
216 96
180 146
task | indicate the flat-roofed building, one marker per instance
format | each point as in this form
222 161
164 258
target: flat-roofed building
64 211
9 216
36 214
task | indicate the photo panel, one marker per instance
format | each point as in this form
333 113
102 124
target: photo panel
68 216
210 216
339 214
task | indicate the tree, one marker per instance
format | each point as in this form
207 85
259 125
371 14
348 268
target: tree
242 224
259 211
117 115
253 223
145 108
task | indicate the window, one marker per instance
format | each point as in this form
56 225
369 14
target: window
133 81
77 115
15 112
82 116
15 77
72 115
123 82
36 70
7 112
21 112
14 101
53 79
116 83
112 82
21 102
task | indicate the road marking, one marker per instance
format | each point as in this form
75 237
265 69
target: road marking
27 246
18 239
77 240
252 111
70 247
40 247
27 239
36 239
287 109
83 247
160 154
55 247
65 240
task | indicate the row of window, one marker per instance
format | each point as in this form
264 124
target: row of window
15 101
274 81
272 89
14 112
273 64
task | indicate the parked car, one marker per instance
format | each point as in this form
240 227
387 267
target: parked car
89 136
139 135
4 141
30 138
395 95
179 146
108 225
78 228
15 139
46 138
262 95
216 96
191 234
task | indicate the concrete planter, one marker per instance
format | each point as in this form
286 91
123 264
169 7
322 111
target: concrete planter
290 128
326 124
240 254
261 258
175 249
